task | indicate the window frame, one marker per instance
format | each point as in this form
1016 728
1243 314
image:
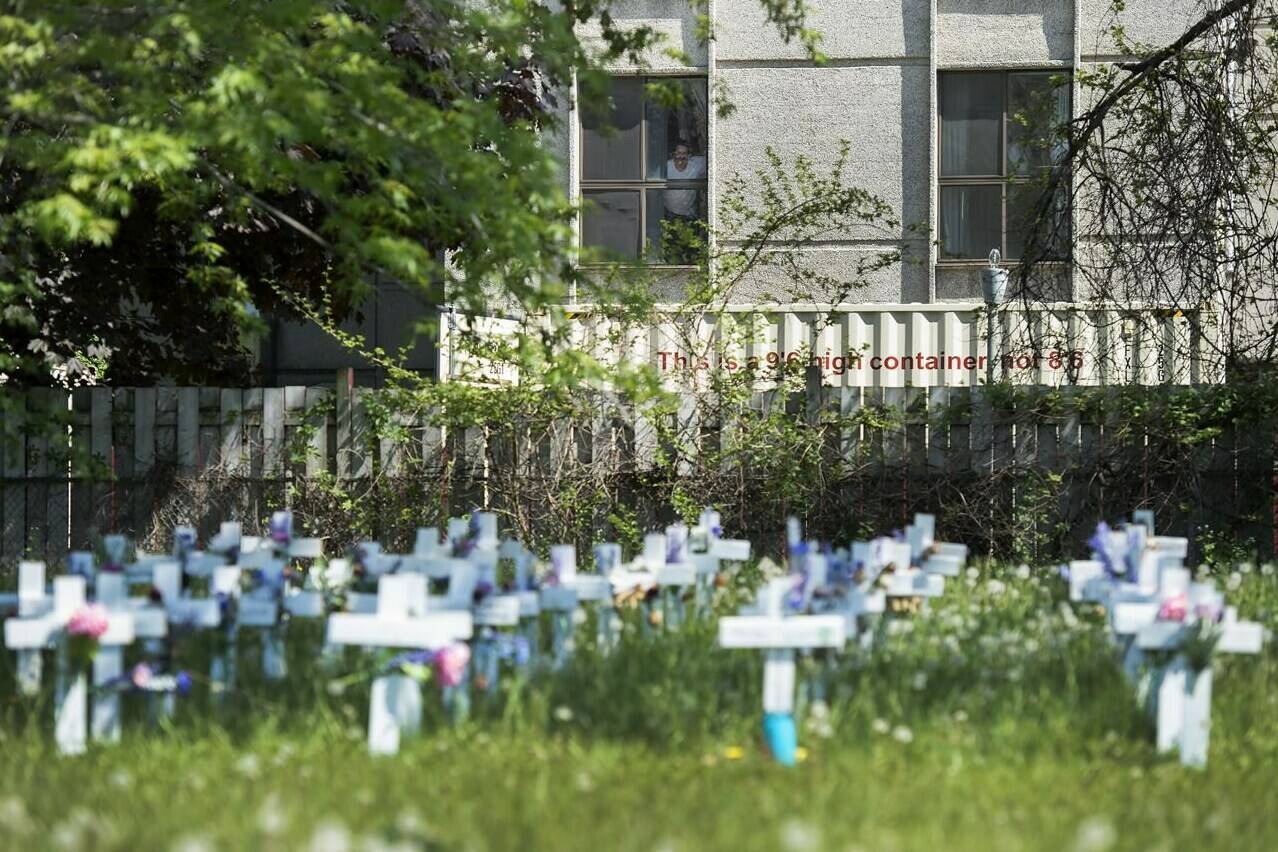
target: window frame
1003 181
642 185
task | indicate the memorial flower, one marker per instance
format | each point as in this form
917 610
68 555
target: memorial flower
1109 556
281 527
1174 608
450 664
86 626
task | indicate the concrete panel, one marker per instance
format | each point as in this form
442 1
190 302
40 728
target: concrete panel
1003 33
962 283
877 29
906 281
674 20
809 110
1152 22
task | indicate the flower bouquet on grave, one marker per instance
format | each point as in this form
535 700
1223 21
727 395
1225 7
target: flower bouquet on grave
149 679
1112 549
86 626
446 666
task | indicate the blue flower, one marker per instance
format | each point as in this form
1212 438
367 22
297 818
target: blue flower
521 651
1103 549
183 683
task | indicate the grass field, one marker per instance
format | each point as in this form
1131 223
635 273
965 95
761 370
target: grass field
997 721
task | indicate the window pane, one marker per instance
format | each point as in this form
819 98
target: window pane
971 124
610 142
971 221
1022 208
676 229
610 223
1036 113
677 134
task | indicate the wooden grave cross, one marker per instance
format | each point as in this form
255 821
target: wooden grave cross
401 620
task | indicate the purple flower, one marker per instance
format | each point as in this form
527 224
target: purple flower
1103 549
281 527
520 650
183 683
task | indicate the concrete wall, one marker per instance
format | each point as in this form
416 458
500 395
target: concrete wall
878 91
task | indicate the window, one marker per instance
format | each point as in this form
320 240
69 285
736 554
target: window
999 140
643 170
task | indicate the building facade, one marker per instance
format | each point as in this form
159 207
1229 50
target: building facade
926 91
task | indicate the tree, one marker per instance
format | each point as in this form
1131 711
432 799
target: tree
168 168
1171 169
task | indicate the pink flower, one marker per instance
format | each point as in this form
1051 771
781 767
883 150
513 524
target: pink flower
1174 608
450 664
140 675
89 620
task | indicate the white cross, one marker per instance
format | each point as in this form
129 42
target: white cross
401 621
1159 612
39 631
780 636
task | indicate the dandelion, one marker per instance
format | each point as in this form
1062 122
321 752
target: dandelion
881 726
248 766
14 819
270 817
330 836
920 681
800 836
903 735
1095 834
563 713
1267 570
1023 571
1246 567
120 778
733 753
1234 581
585 783
960 716
973 574
996 587
194 843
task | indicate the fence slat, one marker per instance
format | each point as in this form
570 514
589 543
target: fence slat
272 431
317 445
15 473
231 418
188 429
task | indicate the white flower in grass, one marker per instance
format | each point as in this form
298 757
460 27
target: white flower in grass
1095 834
1267 570
973 574
920 681
1234 581
881 726
563 713
121 778
996 587
270 817
194 843
1023 571
903 735
1246 567
800 836
819 710
15 821
248 765
960 716
330 836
